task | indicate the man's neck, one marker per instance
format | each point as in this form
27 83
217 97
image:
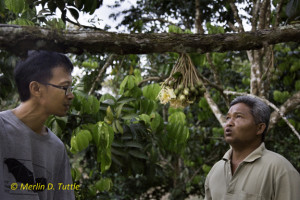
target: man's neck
239 154
30 115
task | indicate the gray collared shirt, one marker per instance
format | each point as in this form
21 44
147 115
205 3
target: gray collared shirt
262 175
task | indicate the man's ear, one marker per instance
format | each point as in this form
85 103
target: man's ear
35 88
260 128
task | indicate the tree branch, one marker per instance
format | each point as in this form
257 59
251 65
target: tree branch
151 79
263 14
83 26
214 107
281 114
278 10
20 39
256 6
237 17
289 105
105 66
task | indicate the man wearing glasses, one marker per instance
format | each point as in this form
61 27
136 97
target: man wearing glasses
33 160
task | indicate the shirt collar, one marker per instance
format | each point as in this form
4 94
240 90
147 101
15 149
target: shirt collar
257 153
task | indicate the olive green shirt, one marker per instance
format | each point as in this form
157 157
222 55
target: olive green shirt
263 175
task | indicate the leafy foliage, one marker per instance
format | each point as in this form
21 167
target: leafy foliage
121 140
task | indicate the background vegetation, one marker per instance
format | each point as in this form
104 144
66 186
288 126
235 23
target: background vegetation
124 144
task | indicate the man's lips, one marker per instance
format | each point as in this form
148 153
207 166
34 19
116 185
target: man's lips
228 131
67 106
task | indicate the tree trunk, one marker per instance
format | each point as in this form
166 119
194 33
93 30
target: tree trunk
19 39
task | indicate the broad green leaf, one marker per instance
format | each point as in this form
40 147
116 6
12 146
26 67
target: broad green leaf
145 118
177 117
133 144
94 103
22 22
119 126
16 6
129 116
126 100
206 168
131 82
119 110
135 92
56 24
151 91
106 97
123 85
82 139
105 159
103 184
156 121
109 114
119 153
74 146
138 154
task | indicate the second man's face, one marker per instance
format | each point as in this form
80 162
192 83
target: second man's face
240 128
55 101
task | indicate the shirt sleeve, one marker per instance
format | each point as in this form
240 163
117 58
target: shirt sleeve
64 189
207 190
288 186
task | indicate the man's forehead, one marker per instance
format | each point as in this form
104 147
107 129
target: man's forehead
61 74
239 108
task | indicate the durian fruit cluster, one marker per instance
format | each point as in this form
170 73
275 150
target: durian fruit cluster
183 86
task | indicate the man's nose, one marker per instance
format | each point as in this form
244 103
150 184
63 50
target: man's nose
70 96
229 123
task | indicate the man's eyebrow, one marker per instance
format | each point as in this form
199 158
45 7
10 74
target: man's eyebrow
235 113
66 82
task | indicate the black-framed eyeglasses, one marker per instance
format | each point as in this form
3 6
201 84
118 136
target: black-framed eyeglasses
68 89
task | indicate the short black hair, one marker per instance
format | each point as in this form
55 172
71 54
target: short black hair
259 110
38 67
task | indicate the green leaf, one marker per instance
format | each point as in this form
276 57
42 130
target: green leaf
94 104
145 118
156 121
56 23
177 117
74 146
151 91
119 153
105 159
109 114
82 139
119 126
22 22
138 154
206 168
104 184
131 82
134 144
123 85
106 97
16 6
174 29
129 116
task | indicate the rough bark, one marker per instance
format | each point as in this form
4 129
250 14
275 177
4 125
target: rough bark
19 39
290 104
